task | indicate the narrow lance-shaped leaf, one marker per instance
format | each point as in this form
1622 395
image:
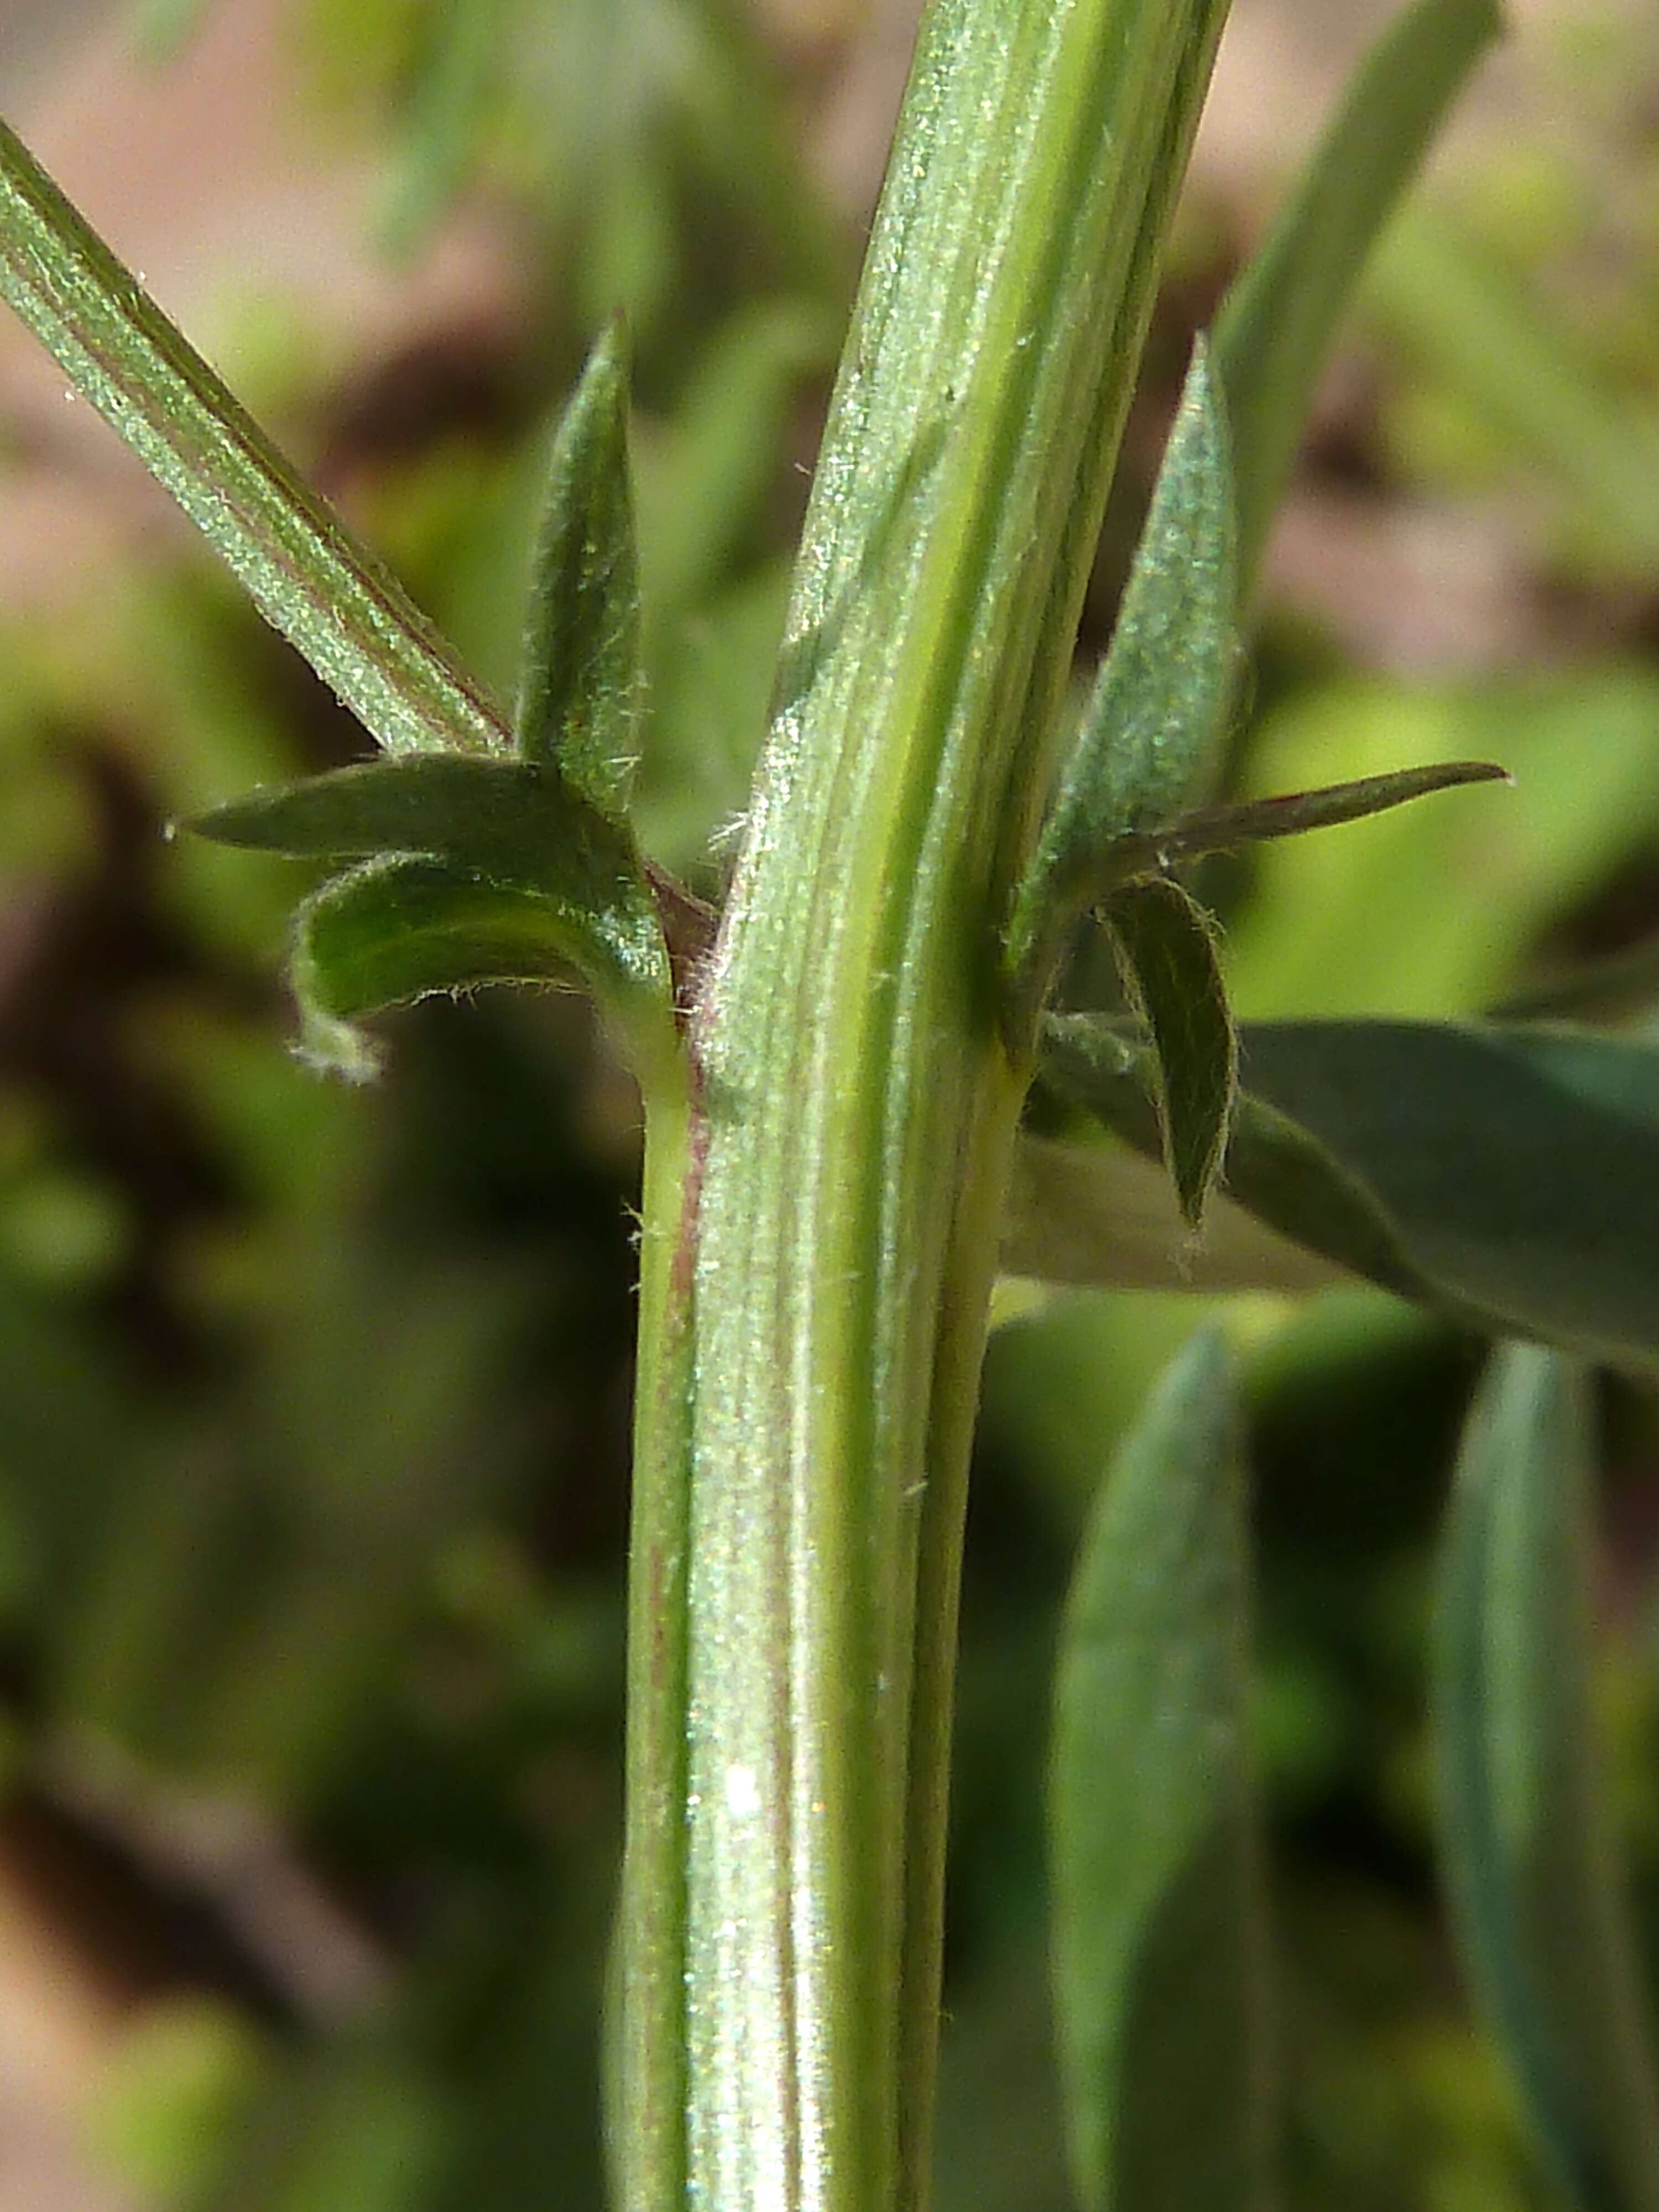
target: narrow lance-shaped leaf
580 693
1147 736
1166 952
395 930
328 595
1507 1175
508 827
1159 1923
1276 324
1536 1888
1252 820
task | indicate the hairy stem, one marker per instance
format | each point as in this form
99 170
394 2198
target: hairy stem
858 1113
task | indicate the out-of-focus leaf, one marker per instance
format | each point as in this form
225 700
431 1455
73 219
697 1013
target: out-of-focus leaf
706 475
475 862
1472 324
393 931
1611 988
712 681
1531 1861
1149 733
1091 1211
328 595
1159 1923
580 696
161 28
1167 953
356 2121
1276 324
254 1577
447 110
1507 1175
179 2076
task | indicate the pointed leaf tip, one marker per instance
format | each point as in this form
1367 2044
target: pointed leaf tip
1166 950
580 692
559 881
1507 1174
1222 829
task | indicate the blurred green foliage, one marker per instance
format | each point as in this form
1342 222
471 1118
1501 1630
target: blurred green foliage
312 1459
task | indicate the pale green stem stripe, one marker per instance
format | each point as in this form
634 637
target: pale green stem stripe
860 1108
648 2100
329 596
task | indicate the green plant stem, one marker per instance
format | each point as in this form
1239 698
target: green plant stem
647 2114
859 1109
344 610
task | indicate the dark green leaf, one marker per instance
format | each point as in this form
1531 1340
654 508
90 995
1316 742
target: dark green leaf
328 595
1508 1176
515 824
396 930
580 694
1147 737
1536 1892
1160 1934
1167 954
481 862
1276 326
1222 829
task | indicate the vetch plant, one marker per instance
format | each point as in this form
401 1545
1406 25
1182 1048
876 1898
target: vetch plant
867 1085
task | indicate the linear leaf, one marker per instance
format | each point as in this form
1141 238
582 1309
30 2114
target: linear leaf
1508 1176
1166 952
501 824
1148 735
395 930
581 695
1159 1923
327 594
1276 324
1139 856
1251 821
1536 1888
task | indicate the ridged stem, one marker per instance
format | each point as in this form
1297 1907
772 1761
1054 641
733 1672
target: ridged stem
858 1108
